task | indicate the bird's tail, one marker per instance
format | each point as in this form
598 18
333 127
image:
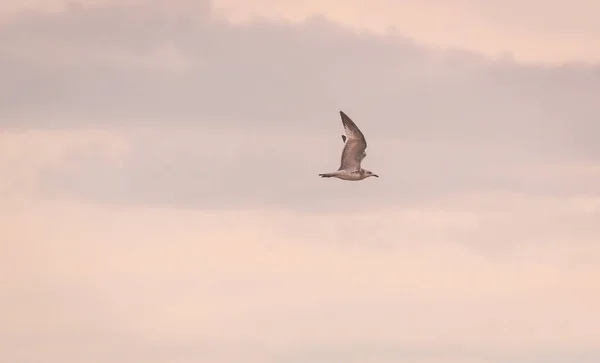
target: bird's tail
326 175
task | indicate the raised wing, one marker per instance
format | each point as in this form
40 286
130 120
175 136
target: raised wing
364 155
355 145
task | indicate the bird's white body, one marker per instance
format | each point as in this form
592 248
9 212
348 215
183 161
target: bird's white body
346 175
352 154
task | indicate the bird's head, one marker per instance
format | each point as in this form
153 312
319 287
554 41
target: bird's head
369 173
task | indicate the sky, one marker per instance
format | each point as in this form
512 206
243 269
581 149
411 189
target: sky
160 199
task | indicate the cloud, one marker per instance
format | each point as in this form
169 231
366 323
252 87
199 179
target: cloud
190 284
208 168
27 155
564 32
232 107
160 198
268 73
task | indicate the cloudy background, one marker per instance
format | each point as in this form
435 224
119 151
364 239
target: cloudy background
159 197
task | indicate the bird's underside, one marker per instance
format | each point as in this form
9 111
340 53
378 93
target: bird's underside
344 175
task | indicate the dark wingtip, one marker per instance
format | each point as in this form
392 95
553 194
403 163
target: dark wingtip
344 116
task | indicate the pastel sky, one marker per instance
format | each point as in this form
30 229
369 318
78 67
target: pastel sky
159 198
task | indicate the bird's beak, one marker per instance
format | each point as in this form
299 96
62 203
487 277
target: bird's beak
375 175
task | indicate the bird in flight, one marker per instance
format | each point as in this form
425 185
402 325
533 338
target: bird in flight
352 154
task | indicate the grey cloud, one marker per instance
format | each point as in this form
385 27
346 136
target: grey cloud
466 116
270 74
224 170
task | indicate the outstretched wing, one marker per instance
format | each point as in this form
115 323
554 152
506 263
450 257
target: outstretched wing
355 145
364 155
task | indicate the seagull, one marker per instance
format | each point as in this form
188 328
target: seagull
352 154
